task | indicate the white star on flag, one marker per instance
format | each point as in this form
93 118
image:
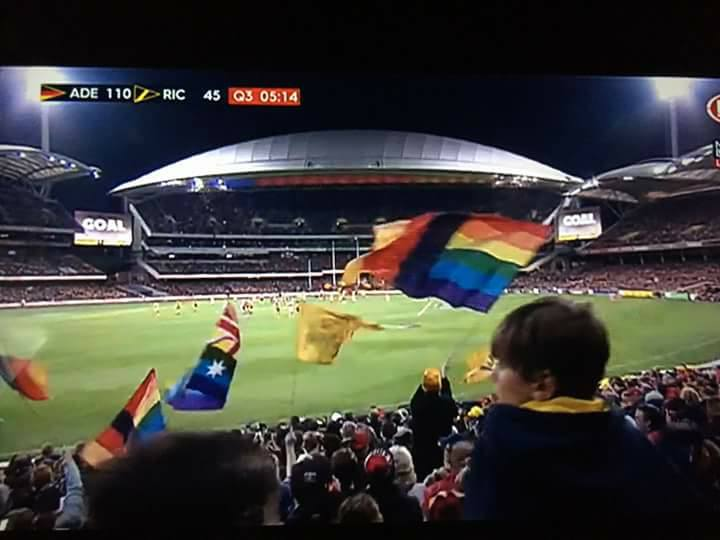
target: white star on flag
216 368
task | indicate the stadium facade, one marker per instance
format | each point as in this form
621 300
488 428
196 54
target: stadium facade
313 198
347 157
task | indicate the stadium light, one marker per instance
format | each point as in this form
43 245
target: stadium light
34 78
671 89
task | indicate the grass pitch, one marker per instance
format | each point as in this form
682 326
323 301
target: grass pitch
96 356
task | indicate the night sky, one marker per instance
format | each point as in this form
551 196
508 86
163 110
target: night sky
582 126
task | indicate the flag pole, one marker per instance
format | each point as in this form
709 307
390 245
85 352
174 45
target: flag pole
309 273
334 278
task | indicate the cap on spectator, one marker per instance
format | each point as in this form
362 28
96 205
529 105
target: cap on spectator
405 475
309 476
379 464
654 397
431 380
336 417
475 412
361 438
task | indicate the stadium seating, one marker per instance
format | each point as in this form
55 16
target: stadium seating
43 262
43 292
345 210
678 219
22 206
703 279
274 262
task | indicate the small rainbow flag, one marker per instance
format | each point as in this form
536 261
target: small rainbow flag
138 421
27 378
468 260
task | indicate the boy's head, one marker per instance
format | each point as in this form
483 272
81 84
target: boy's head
549 348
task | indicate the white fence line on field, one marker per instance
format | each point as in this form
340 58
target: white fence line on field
165 299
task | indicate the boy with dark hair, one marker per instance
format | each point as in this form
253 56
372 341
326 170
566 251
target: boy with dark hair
548 447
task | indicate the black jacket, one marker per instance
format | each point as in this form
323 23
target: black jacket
396 506
561 465
432 418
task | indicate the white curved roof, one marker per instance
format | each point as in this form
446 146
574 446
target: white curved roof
349 150
35 165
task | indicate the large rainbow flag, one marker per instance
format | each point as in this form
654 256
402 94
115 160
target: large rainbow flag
138 421
467 260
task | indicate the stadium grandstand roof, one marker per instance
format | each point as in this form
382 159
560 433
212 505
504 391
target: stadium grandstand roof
24 163
652 179
347 157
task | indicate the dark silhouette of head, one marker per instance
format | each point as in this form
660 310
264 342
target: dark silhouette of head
187 480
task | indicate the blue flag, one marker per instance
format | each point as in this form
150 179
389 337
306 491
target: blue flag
206 386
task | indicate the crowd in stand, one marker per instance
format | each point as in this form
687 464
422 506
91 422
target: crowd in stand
699 278
259 286
43 262
334 210
57 292
275 262
672 220
21 205
555 441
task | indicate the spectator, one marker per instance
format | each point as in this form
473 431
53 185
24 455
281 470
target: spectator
361 440
359 509
4 497
232 482
694 409
404 437
405 477
388 430
395 506
312 442
433 411
347 470
315 493
331 443
457 451
548 448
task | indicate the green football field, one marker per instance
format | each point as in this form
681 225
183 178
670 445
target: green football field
96 356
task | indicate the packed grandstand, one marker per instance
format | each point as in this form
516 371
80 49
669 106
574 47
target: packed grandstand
265 215
285 215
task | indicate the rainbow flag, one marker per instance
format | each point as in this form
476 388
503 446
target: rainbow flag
206 386
137 422
468 260
27 378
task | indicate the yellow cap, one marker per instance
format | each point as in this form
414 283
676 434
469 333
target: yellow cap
431 380
475 412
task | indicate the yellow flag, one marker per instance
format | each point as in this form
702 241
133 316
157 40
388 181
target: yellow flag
480 367
322 332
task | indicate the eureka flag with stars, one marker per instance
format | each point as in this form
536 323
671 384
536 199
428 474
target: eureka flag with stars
206 386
